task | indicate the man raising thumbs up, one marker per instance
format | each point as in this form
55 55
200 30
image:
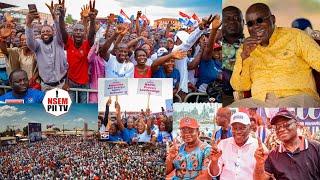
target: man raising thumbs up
233 158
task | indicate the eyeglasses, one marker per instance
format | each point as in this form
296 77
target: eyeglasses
187 130
285 125
259 21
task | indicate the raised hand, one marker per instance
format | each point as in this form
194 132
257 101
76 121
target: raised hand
111 18
8 17
85 11
216 22
215 153
205 23
5 32
51 9
139 13
179 54
173 150
93 12
122 29
109 101
30 17
148 111
59 9
260 154
249 45
117 107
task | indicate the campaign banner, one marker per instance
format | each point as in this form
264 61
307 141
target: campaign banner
150 87
34 132
116 87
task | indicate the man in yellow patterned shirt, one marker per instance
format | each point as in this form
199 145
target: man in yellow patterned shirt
275 63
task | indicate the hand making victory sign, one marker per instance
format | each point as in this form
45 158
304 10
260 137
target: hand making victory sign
205 23
260 154
215 152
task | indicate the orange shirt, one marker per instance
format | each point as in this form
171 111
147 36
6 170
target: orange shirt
147 75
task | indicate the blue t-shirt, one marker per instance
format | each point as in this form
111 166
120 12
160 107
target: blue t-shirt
115 138
208 71
32 96
164 136
175 75
128 134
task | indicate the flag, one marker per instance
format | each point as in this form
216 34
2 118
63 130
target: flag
144 17
184 15
123 18
186 20
195 17
124 14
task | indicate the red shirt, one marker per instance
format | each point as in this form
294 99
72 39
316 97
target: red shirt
147 75
78 61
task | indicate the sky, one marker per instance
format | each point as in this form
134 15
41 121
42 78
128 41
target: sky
154 9
135 102
20 115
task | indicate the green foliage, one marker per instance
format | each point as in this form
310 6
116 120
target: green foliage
69 19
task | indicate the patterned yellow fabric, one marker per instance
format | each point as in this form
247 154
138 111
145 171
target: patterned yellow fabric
283 67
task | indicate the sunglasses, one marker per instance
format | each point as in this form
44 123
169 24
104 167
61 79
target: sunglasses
285 125
259 21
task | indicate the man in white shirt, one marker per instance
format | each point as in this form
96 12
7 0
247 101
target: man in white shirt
236 161
119 66
184 41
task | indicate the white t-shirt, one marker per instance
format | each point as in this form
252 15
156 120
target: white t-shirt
182 65
144 137
191 73
114 69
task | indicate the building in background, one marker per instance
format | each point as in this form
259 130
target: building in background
163 22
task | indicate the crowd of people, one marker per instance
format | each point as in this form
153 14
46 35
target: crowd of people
75 55
136 161
141 127
73 157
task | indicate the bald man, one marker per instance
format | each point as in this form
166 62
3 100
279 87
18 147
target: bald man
223 119
119 66
275 63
